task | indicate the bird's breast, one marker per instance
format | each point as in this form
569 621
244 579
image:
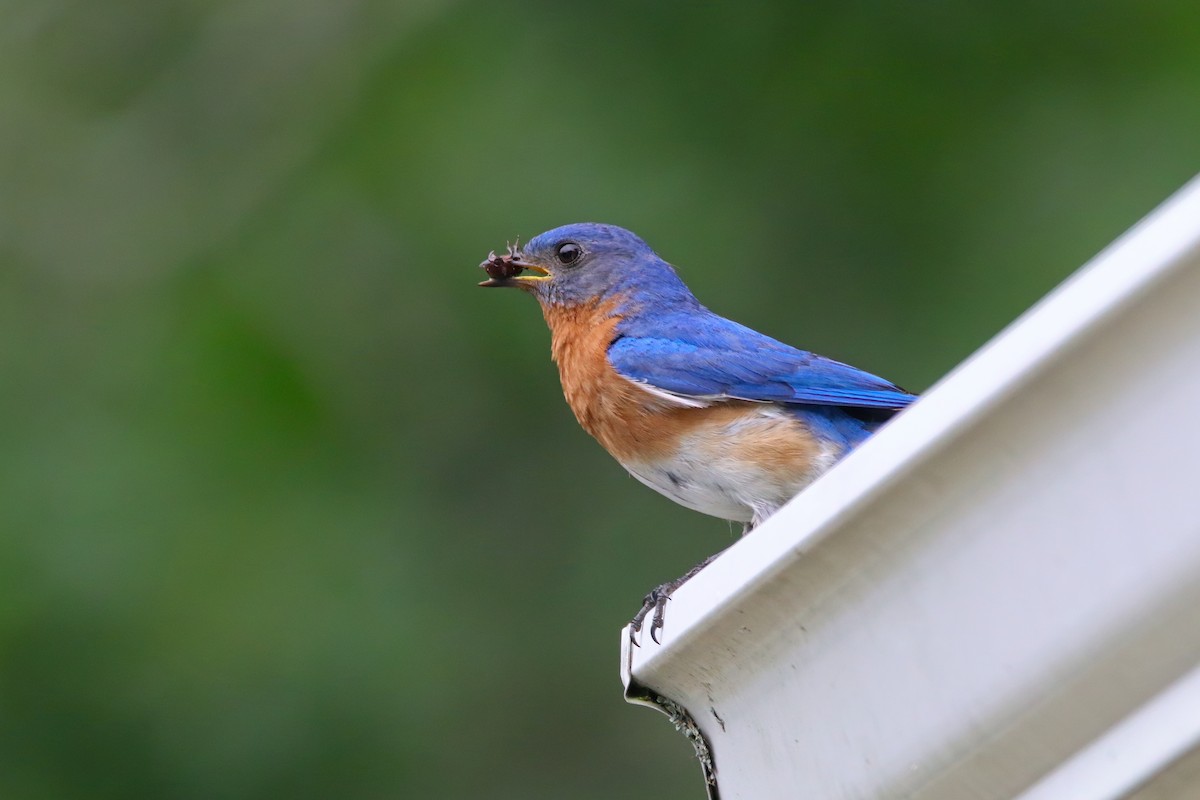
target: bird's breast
735 460
622 416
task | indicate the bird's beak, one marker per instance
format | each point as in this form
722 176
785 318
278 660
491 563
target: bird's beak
507 271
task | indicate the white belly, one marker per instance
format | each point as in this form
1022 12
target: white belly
705 474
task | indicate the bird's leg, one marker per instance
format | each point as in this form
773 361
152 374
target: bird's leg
656 600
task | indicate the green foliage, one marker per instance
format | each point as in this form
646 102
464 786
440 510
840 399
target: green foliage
289 509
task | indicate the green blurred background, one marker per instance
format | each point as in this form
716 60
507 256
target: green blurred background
289 508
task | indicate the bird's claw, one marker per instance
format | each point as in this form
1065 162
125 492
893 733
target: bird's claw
660 610
655 601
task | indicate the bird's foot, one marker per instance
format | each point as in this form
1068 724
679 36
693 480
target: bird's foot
656 601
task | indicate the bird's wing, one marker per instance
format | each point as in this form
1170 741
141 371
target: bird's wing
714 359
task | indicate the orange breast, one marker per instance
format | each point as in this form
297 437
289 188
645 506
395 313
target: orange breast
620 415
633 424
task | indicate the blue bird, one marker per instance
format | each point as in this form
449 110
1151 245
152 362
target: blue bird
716 416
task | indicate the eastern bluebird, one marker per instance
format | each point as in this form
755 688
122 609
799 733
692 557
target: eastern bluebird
718 417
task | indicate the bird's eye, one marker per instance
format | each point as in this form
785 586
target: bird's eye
568 253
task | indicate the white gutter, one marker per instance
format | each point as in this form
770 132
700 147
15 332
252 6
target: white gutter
995 586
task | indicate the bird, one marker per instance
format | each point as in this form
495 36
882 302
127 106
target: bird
714 415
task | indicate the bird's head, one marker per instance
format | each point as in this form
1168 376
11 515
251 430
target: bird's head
586 262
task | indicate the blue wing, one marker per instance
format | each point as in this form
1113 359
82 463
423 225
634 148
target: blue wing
705 356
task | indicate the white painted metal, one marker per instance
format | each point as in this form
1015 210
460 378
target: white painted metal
988 597
1144 744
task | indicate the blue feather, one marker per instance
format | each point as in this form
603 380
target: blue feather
696 353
